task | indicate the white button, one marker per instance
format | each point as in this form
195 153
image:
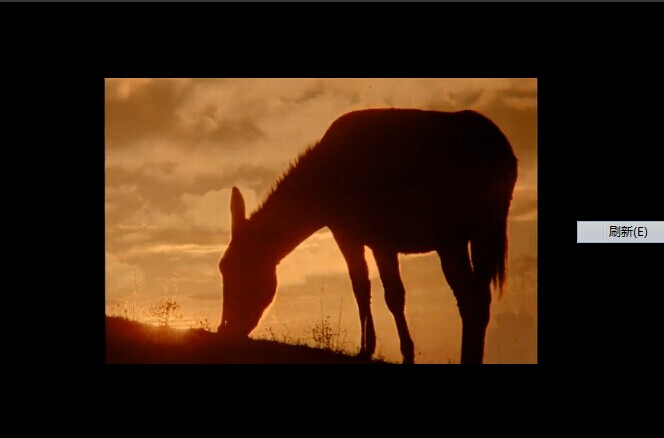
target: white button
589 232
620 232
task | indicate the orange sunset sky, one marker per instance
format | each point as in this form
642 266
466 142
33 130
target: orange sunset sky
176 147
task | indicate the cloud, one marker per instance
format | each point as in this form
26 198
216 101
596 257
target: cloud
528 216
524 203
121 89
149 105
466 98
192 129
521 99
150 217
174 249
121 277
123 194
521 103
133 237
207 212
211 211
181 162
202 117
319 255
124 191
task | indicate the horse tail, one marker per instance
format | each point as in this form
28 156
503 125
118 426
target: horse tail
489 241
498 253
499 205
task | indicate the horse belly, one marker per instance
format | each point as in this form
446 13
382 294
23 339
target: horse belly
406 227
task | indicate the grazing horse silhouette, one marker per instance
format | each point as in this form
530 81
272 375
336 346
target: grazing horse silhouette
397 181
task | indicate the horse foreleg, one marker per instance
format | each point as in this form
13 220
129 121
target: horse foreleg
353 253
395 297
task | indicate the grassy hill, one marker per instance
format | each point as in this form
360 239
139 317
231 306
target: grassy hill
131 342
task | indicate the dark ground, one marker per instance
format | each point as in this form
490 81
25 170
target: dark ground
131 342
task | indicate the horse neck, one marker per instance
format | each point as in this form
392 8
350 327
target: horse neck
285 220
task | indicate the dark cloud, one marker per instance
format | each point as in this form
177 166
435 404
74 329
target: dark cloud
234 133
210 127
150 110
317 89
465 99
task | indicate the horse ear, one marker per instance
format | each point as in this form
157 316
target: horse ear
237 210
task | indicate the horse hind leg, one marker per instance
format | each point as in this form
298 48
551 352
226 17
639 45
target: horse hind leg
358 270
395 297
473 296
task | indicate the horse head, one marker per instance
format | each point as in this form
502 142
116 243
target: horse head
249 278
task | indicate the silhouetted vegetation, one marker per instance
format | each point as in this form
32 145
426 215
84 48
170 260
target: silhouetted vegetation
131 342
321 336
324 336
166 311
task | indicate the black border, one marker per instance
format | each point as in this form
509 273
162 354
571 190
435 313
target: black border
597 81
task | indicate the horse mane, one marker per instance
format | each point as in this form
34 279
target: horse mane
302 158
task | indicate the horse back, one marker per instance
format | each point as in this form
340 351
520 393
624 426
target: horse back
411 173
